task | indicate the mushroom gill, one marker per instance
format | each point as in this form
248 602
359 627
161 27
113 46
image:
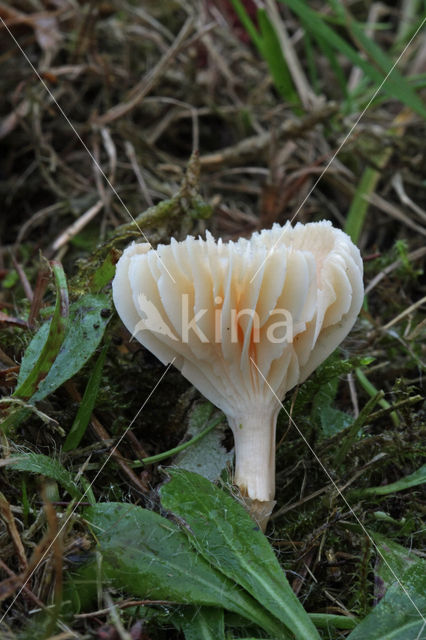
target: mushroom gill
241 318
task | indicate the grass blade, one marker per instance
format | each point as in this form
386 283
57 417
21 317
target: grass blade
268 45
87 405
413 480
396 86
272 52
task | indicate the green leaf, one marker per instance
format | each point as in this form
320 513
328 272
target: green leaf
10 279
332 621
87 405
333 367
49 344
272 52
352 432
393 560
105 273
398 616
246 21
412 480
207 456
328 418
222 531
205 623
268 45
372 391
150 557
49 467
87 321
395 86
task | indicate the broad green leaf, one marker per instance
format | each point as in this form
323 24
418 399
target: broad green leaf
87 321
207 456
393 561
400 615
201 623
51 468
222 531
150 557
87 405
412 480
33 377
32 352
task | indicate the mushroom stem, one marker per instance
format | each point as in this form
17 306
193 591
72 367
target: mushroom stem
254 437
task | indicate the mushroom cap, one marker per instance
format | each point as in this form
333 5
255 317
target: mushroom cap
214 308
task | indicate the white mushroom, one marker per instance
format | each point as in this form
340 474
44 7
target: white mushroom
240 318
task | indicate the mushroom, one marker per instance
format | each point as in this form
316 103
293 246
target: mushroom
244 322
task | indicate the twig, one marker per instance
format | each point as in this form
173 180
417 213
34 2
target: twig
394 212
149 81
124 635
296 504
404 313
414 255
130 151
76 227
7 515
124 605
23 278
18 581
307 96
250 148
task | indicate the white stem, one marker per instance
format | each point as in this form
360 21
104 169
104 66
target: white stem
254 437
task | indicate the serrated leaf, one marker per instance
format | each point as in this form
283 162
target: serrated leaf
150 557
49 467
221 530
